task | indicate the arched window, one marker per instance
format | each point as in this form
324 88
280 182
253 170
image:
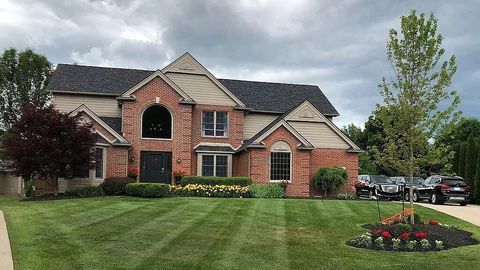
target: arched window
157 123
280 161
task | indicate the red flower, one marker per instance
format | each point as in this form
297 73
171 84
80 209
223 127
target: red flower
433 222
377 232
386 234
405 235
421 235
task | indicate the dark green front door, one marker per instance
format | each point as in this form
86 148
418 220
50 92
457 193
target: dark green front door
156 167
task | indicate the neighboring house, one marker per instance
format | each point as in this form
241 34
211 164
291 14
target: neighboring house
183 118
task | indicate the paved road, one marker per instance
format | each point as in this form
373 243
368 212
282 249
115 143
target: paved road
6 261
470 213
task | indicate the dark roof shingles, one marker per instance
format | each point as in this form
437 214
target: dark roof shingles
263 96
114 122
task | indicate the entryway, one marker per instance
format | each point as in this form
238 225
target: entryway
156 167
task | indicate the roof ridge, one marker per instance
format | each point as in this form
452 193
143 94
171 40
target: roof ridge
103 67
283 83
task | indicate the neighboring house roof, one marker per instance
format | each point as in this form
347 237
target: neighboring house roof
278 97
6 165
260 96
114 122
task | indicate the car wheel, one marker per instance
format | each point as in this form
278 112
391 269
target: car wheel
463 203
407 197
415 196
372 195
434 198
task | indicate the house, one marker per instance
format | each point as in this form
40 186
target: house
181 117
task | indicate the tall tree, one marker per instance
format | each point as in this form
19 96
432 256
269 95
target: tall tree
461 159
48 144
411 113
476 185
356 135
456 158
24 77
471 161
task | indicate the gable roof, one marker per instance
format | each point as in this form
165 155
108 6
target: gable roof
278 97
114 122
95 80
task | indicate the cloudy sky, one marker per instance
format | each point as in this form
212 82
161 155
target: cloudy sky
337 45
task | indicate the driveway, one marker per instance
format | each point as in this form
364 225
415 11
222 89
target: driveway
470 213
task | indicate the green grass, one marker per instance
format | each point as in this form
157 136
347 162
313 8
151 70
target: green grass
202 233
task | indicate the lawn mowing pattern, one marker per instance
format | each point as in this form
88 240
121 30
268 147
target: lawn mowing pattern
210 233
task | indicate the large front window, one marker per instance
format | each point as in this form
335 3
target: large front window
157 123
280 162
214 123
215 165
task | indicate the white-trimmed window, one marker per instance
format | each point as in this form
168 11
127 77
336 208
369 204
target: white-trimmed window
280 162
100 163
218 165
214 123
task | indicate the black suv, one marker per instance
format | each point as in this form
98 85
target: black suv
378 186
439 189
418 182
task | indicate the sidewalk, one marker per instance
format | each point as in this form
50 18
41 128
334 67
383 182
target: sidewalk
6 260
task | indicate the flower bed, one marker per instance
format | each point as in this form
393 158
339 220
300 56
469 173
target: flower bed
221 191
431 236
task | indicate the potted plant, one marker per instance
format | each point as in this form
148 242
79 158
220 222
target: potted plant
178 175
133 173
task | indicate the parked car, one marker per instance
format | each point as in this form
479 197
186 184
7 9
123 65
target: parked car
439 189
404 181
378 186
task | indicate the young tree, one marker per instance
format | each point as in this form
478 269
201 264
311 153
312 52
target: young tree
24 77
462 158
471 161
47 144
416 101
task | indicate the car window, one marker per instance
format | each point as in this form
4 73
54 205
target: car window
381 179
453 182
427 181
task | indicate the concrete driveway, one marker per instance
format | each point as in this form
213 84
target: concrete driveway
470 213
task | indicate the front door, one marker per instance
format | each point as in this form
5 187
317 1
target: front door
156 167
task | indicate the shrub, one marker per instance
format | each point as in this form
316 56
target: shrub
347 196
266 191
207 180
221 191
147 189
85 192
330 179
115 185
416 218
29 188
401 228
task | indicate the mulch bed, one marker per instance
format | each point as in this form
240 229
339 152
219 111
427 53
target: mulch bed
450 236
51 197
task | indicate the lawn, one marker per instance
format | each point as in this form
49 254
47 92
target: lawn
203 233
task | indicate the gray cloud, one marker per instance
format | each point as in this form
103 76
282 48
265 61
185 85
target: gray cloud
338 45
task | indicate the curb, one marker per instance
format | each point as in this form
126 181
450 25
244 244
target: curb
6 260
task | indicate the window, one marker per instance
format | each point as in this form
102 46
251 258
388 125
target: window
280 162
215 165
157 123
214 123
99 163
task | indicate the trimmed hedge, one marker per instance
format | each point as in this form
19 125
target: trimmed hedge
85 192
212 181
266 191
115 185
148 190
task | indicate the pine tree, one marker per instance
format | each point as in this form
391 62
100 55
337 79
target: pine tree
471 160
476 184
461 159
456 158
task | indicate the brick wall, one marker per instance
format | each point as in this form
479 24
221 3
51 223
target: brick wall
180 145
117 161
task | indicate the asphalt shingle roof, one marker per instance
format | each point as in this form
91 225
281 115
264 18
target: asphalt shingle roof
216 148
114 122
263 96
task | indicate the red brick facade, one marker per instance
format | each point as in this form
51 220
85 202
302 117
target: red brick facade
186 134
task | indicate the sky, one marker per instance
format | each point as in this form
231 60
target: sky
338 45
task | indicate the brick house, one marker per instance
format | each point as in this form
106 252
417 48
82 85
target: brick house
183 118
